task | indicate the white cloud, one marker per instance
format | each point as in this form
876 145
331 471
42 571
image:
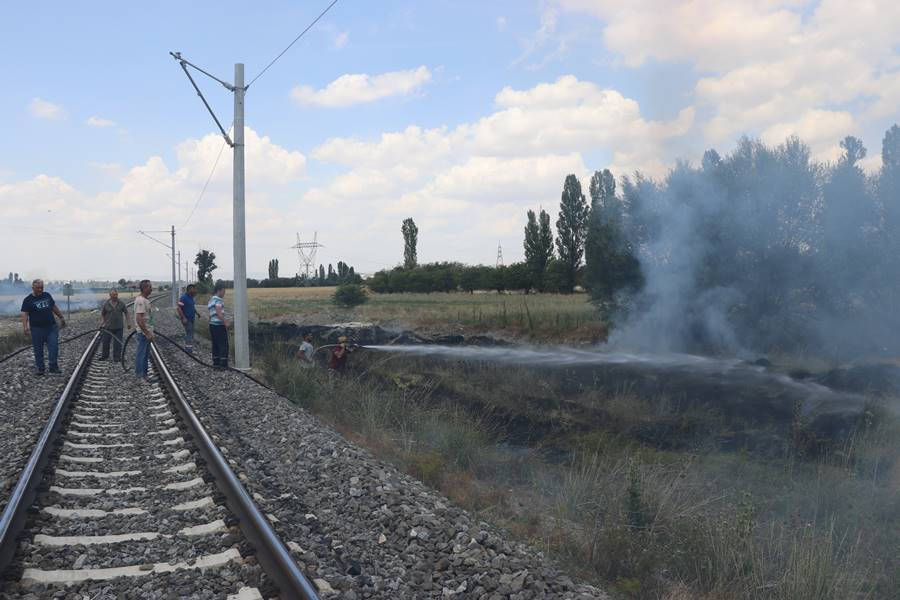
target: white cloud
501 23
821 129
95 121
764 65
99 228
360 88
712 34
415 145
565 116
572 115
44 109
495 167
264 160
341 39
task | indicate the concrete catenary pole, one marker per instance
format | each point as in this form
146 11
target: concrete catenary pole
179 271
174 283
241 333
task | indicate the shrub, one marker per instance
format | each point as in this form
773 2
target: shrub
350 295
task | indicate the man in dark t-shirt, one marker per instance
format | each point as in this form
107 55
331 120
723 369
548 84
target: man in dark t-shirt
187 312
38 309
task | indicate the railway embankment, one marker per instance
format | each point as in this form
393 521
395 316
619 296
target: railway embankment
357 526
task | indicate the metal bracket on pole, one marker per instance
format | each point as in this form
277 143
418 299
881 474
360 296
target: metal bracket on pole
177 56
184 65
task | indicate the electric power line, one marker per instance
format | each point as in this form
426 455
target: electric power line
205 185
302 33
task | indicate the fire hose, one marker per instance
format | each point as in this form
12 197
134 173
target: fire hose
124 344
73 338
192 357
61 342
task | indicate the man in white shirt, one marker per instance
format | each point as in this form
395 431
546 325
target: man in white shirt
306 351
143 324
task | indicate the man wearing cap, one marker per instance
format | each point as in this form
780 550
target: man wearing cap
339 355
38 309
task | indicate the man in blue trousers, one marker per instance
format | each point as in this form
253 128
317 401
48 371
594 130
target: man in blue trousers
187 312
218 327
143 325
38 309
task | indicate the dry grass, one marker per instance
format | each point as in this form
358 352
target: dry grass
645 522
550 317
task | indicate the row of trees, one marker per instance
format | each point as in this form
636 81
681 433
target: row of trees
590 248
453 276
344 274
542 270
763 248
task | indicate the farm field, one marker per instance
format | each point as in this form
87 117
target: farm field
551 317
77 299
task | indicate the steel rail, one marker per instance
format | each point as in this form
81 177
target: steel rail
272 554
24 494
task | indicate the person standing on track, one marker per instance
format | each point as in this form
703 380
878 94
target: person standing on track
218 327
143 324
113 320
187 312
38 309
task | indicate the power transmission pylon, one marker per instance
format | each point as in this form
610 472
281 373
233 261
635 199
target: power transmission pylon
306 251
499 255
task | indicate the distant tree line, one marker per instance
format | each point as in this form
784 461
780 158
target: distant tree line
344 274
453 276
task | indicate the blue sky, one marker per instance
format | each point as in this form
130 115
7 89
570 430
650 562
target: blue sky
460 114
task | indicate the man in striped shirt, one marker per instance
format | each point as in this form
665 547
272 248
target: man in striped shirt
218 327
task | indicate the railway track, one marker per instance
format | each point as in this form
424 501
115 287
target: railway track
126 494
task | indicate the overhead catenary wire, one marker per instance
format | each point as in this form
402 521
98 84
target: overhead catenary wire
205 185
296 39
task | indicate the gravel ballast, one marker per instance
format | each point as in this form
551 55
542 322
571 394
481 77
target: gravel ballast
357 526
26 400
170 536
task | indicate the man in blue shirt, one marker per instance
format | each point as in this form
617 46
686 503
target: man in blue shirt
188 312
38 309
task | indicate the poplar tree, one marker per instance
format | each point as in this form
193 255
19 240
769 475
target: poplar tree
571 229
410 239
538 246
610 262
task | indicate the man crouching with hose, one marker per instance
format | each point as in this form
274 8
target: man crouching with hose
339 354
